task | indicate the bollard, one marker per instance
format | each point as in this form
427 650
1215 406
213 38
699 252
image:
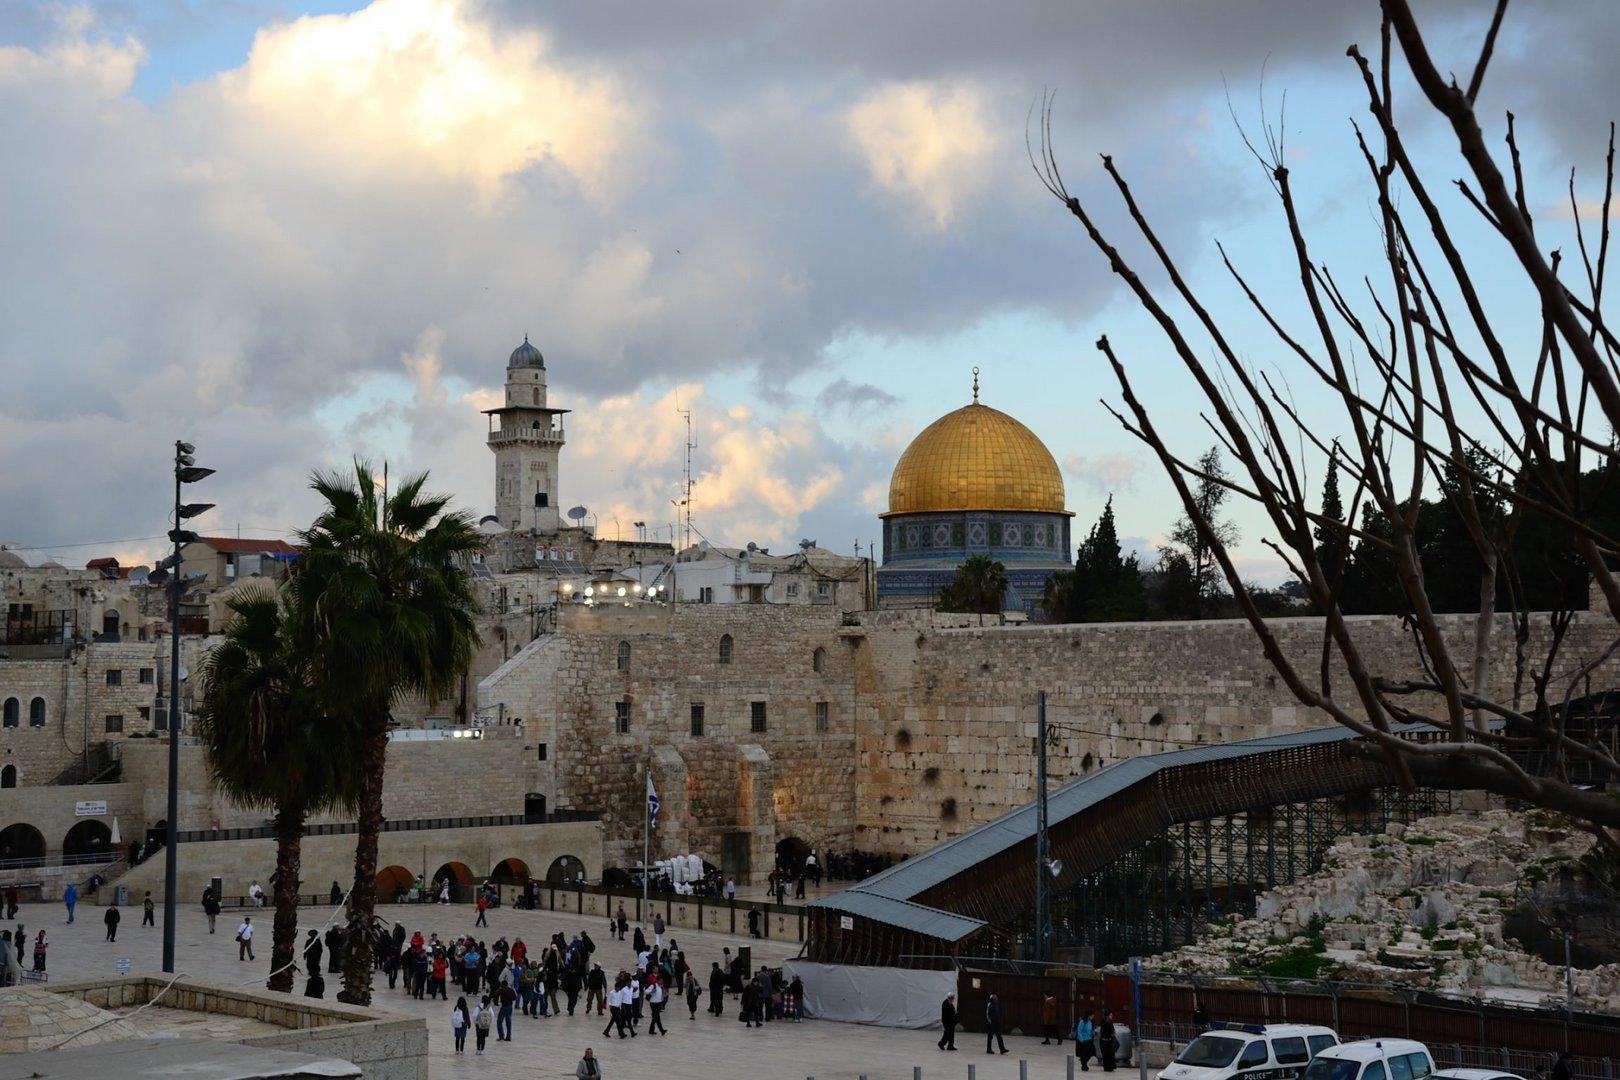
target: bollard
1023 1069
973 1071
916 1072
1070 1070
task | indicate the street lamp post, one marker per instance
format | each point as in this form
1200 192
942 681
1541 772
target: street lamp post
1043 888
186 471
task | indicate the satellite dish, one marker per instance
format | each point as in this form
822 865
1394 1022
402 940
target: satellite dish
184 674
577 513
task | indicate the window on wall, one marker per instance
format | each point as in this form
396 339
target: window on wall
821 717
697 721
818 660
115 677
624 656
146 676
725 648
146 716
621 718
542 751
823 589
114 723
36 712
793 588
12 712
756 717
706 594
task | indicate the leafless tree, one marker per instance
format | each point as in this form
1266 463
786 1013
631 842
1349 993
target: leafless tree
1427 397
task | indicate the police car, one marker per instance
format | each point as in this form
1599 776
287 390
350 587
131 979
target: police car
1250 1052
1373 1059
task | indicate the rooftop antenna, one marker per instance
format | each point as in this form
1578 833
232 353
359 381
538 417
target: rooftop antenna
686 481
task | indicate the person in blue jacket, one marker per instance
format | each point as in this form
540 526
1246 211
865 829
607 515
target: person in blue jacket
1084 1032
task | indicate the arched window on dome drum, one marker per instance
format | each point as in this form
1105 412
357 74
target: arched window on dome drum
818 660
725 648
624 656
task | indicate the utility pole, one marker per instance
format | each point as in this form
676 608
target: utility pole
1043 883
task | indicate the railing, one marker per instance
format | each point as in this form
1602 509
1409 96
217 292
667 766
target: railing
342 828
88 858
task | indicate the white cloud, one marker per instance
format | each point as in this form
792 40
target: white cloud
927 144
424 86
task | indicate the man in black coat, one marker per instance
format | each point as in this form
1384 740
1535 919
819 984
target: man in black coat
992 1026
947 1020
312 952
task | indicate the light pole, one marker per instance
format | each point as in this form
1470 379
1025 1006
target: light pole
186 471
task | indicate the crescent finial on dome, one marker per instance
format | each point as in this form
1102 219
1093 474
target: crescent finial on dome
975 386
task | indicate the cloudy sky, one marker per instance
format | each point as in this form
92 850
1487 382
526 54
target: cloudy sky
297 231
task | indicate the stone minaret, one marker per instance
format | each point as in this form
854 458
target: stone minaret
526 440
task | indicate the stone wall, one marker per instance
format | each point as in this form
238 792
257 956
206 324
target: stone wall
53 811
385 1045
946 710
754 786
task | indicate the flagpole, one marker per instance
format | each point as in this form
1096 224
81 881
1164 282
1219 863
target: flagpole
646 845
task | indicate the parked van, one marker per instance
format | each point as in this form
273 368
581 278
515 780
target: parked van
1250 1052
1373 1059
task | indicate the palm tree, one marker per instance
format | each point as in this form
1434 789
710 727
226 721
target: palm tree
978 587
269 746
388 607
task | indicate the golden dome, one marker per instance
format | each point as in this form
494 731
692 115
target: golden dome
976 458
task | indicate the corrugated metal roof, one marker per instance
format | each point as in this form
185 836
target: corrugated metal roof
945 925
962 853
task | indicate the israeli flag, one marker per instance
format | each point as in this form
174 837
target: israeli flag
652 804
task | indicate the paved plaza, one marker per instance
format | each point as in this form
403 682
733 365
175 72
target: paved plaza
709 1048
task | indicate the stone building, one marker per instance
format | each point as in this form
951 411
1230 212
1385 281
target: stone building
974 482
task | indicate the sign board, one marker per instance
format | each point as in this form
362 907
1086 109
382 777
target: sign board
90 808
124 965
846 922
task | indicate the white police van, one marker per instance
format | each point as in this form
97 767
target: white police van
1373 1059
1250 1052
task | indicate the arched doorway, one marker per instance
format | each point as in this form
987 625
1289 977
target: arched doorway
510 872
8 776
566 868
791 852
457 873
21 845
394 883
534 808
87 838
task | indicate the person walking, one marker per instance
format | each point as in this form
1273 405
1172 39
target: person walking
148 910
1085 1034
111 919
1107 1045
616 1013
244 937
70 897
210 906
312 951
483 907
1049 1026
336 894
717 990
658 930
507 997
460 1021
595 990
947 1021
693 992
655 1002
41 943
11 902
992 1026
623 923
588 1069
483 1020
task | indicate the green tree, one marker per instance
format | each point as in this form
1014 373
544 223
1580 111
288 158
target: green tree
1330 538
1209 494
1104 586
268 745
978 587
384 597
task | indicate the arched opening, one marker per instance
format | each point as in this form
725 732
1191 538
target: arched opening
725 648
91 838
818 660
565 868
534 808
36 712
394 882
12 712
457 873
510 872
624 656
791 852
21 845
109 621
8 776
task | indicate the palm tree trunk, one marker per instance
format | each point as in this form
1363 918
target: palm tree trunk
363 897
289 830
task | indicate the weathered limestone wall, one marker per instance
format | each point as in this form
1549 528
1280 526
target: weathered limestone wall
760 786
53 810
946 711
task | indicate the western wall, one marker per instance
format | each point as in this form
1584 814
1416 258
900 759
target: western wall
931 718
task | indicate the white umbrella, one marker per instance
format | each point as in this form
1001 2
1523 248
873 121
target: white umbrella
116 838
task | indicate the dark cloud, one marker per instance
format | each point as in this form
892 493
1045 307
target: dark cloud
842 394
